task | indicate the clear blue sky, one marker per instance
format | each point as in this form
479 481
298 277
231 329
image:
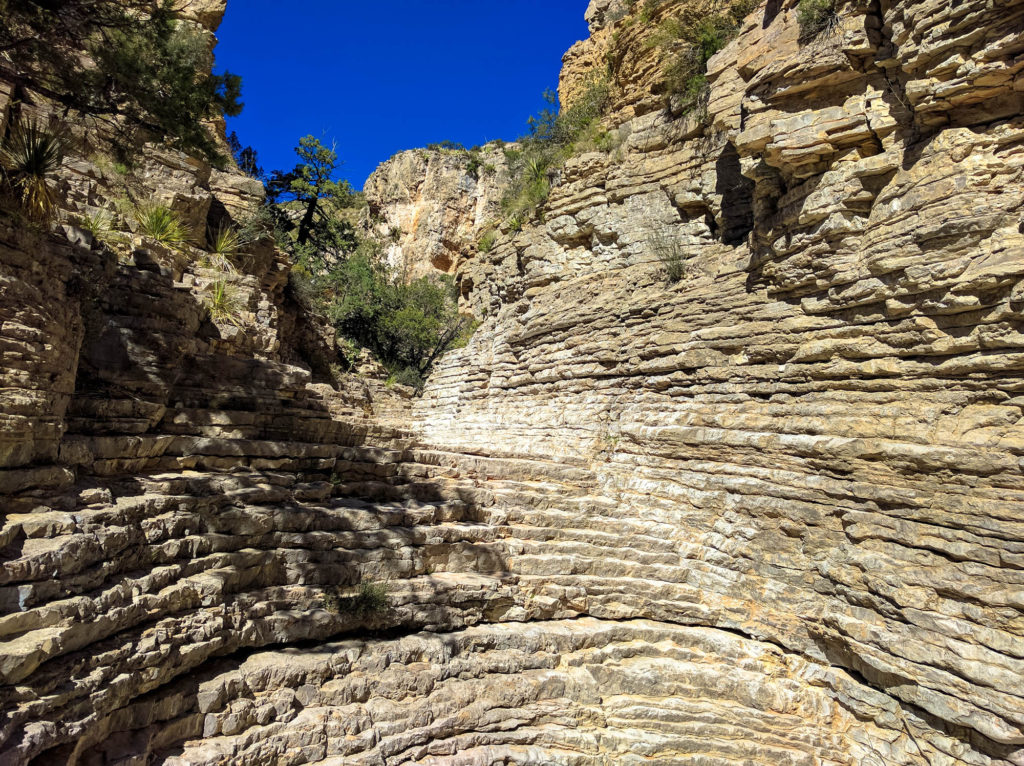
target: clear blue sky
380 77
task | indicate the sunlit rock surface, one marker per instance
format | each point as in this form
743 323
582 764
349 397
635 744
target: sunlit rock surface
769 514
430 207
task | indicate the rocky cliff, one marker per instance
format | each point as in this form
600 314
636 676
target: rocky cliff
769 513
431 206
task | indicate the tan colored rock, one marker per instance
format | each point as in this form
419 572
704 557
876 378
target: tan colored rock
430 207
771 513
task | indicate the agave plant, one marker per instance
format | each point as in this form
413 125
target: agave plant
159 222
29 156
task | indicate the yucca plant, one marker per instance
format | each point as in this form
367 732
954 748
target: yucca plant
225 241
222 301
29 156
162 224
103 229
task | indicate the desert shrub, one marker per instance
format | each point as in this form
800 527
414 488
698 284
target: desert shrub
162 224
372 598
670 252
689 41
486 243
554 137
29 157
101 225
446 146
224 241
649 8
816 17
408 326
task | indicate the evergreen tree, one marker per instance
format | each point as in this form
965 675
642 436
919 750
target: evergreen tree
312 186
144 65
246 158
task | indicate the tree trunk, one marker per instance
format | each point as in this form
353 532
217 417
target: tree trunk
306 226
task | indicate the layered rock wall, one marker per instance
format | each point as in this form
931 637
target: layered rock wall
821 422
770 513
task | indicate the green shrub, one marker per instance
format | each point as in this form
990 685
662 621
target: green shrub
225 241
159 222
372 598
101 226
815 17
554 137
408 326
701 36
446 146
486 243
223 302
29 156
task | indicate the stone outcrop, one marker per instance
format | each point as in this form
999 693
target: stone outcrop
430 207
770 513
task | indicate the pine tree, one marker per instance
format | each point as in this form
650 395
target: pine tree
146 65
311 183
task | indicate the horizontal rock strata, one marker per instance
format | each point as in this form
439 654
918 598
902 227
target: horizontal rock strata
770 513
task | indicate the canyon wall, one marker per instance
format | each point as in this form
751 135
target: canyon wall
430 207
769 513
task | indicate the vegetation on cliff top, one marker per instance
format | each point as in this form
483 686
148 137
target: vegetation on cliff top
688 40
816 17
554 137
146 67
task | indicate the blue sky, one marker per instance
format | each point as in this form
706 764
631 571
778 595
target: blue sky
380 77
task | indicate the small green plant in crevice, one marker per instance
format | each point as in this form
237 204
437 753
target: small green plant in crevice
28 158
160 223
816 17
649 8
669 251
371 599
223 302
225 241
101 225
486 243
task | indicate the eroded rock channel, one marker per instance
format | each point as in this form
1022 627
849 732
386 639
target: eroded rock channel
771 513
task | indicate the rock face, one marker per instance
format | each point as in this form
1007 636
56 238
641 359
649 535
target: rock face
431 206
770 513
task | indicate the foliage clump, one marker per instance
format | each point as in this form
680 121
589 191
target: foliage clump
147 68
407 325
689 40
670 252
816 17
348 280
371 599
314 194
223 302
554 137
102 225
28 157
487 241
160 223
